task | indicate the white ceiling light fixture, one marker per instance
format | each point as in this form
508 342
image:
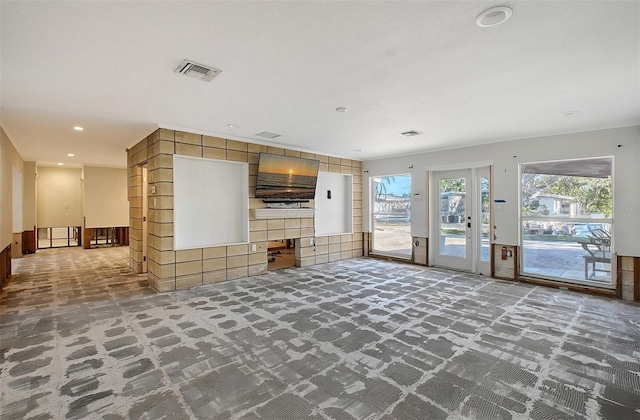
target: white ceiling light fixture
233 126
60 164
494 16
70 154
197 71
410 133
268 135
78 128
342 109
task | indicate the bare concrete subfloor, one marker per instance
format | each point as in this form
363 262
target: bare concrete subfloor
82 337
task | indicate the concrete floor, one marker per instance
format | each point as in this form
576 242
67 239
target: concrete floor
82 337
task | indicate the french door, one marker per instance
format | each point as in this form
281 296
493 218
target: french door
460 219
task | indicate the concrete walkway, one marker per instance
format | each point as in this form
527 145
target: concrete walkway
561 259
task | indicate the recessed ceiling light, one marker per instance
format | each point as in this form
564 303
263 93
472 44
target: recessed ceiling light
342 109
410 133
60 164
78 128
268 135
70 154
569 113
493 17
233 126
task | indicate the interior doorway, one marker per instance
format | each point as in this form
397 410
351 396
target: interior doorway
460 219
145 218
58 237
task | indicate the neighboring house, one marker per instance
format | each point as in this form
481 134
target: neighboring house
556 205
453 203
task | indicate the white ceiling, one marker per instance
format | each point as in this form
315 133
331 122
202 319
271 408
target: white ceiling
286 66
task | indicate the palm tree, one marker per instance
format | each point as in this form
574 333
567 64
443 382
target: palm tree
380 185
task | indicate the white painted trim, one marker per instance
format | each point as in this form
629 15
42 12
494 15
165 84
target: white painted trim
460 166
283 213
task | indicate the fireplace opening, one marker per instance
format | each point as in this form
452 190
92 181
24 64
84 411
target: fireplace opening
281 254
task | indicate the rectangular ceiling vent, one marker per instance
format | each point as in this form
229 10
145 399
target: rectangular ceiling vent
268 135
197 71
410 133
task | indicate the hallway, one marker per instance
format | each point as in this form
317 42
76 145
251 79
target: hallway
82 337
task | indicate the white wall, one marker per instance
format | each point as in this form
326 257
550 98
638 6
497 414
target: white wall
59 197
105 197
29 198
210 202
9 159
335 215
506 157
17 200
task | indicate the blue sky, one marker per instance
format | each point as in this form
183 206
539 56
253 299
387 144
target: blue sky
400 184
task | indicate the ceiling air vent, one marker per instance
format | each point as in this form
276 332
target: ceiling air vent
410 133
197 71
268 135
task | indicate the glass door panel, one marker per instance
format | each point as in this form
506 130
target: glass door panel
483 195
392 216
453 233
461 221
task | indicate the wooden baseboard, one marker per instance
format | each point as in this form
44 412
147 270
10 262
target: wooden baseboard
636 279
573 287
5 266
619 277
389 258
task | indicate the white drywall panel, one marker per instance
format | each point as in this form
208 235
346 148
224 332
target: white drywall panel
334 215
59 197
105 197
211 202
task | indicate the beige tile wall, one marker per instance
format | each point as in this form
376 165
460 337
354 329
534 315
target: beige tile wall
171 270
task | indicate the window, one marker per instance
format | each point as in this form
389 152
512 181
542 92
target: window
567 220
392 215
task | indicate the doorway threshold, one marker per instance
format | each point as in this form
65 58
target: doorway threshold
390 257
